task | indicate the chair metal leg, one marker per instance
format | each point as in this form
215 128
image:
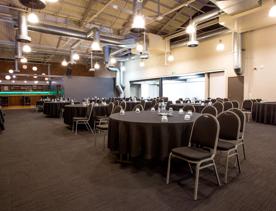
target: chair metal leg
243 149
73 126
76 131
169 169
216 172
104 141
238 161
86 126
196 181
90 128
191 169
226 168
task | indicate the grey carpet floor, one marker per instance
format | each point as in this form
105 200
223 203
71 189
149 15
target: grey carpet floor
43 166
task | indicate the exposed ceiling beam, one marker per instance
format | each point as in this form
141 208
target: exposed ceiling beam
86 12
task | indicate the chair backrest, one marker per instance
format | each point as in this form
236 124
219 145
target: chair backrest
143 103
117 109
189 108
210 110
141 108
219 106
123 104
229 125
227 105
156 106
117 102
242 117
205 132
235 104
247 105
110 108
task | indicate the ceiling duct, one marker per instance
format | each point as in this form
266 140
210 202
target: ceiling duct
193 24
34 4
106 54
237 6
237 48
23 29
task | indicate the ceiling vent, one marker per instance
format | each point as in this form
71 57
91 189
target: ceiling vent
232 7
34 4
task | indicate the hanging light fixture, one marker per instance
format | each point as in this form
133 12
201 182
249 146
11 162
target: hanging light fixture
46 79
8 77
96 45
123 68
52 1
92 69
35 82
33 18
34 68
24 67
64 63
13 76
220 46
25 82
43 74
0 81
97 66
35 76
11 71
23 60
26 48
138 24
13 81
170 57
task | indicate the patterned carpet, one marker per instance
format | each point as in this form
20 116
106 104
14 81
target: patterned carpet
43 166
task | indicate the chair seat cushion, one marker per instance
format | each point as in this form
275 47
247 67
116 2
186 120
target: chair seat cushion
191 153
224 146
80 118
102 126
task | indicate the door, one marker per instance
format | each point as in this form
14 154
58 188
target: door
236 88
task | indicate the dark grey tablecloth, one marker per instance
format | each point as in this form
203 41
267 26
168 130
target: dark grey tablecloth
71 111
53 109
177 106
264 112
79 110
144 135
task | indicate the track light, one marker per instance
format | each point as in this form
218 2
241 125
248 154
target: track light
33 18
220 46
97 66
113 61
64 63
26 48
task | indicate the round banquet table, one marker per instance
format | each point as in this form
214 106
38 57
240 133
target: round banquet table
71 111
53 109
177 106
79 110
144 135
264 112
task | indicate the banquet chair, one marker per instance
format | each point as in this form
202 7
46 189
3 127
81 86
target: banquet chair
102 126
247 106
83 120
109 111
143 102
201 149
123 104
210 110
138 106
242 117
229 138
219 106
189 108
235 104
227 105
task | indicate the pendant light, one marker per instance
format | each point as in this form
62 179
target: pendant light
220 46
138 24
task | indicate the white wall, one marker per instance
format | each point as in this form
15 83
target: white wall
217 85
187 60
260 53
